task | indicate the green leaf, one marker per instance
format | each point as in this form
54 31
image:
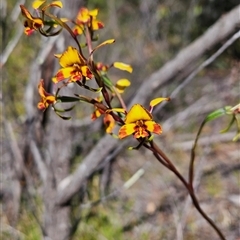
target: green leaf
84 99
68 99
213 115
216 114
150 138
109 41
229 126
96 90
63 110
236 137
63 117
107 82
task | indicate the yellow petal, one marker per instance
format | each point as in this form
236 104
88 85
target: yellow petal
41 105
153 127
41 89
141 132
109 123
123 66
50 99
97 25
28 31
58 55
69 57
26 13
96 114
156 101
93 13
83 16
78 30
36 4
109 41
122 84
126 130
86 72
138 112
121 110
37 23
57 4
63 73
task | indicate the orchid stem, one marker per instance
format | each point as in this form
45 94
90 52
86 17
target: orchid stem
89 43
120 99
189 186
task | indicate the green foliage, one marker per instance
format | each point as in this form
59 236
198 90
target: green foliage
15 77
213 185
103 224
29 227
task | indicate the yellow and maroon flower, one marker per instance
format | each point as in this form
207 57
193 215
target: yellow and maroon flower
31 23
108 120
73 67
46 98
101 67
139 121
87 18
109 123
97 113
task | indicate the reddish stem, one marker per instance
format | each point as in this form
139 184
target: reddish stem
189 186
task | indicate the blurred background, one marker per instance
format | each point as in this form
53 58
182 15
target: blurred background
129 195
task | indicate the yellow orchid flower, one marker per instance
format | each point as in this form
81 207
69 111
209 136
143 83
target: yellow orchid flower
139 121
108 120
73 66
87 18
46 98
31 23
